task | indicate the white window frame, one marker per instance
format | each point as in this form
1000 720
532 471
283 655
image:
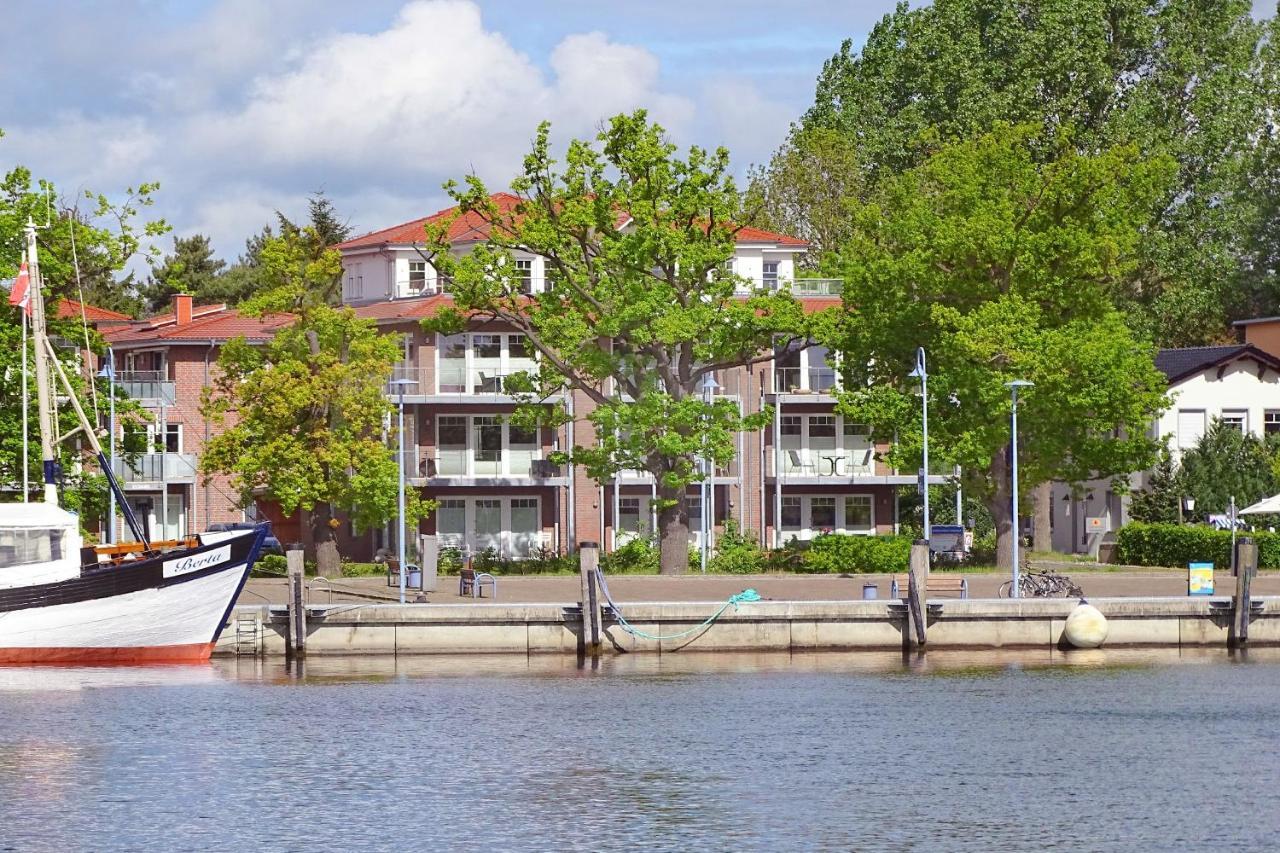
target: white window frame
1270 421
422 281
153 436
505 451
851 451
806 369
807 530
469 540
1236 415
473 366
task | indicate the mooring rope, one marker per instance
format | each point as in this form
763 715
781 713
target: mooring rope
747 595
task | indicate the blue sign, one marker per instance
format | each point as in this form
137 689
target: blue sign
1200 579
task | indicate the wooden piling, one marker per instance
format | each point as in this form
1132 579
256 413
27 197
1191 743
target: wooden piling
1246 565
297 645
588 561
917 584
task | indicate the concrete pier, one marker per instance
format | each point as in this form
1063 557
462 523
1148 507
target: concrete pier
395 629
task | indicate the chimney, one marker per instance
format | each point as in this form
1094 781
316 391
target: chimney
182 308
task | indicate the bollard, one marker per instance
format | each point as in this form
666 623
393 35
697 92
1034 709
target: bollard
1246 563
917 584
588 561
297 644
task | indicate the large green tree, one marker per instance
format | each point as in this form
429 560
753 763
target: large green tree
637 306
190 268
304 413
1180 77
1228 463
1001 260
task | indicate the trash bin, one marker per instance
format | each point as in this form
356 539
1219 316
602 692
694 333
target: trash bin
868 591
414 578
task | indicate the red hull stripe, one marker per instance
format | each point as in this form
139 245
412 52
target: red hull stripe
185 653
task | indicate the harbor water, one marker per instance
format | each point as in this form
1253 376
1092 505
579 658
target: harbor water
1100 750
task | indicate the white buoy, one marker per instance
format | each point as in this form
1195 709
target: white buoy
1086 627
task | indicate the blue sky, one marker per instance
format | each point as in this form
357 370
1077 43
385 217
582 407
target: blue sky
242 107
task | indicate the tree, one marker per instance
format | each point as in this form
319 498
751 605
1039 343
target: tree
330 230
106 237
191 268
1159 502
303 414
1179 77
804 189
1001 267
1228 463
637 307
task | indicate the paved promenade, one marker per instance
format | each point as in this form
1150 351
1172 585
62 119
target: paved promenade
564 588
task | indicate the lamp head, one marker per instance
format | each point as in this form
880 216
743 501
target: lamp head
1189 504
1018 383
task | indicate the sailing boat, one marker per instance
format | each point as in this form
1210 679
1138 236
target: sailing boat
137 602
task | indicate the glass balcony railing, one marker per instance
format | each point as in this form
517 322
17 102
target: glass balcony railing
157 468
794 380
479 463
833 462
150 387
817 286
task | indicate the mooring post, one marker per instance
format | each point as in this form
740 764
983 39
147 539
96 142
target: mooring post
917 583
588 561
1246 562
297 645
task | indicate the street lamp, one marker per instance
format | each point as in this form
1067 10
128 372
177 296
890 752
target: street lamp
707 491
923 375
1189 504
399 385
1013 389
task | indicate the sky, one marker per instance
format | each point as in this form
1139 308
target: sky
239 108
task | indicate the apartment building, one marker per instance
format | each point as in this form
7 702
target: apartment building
812 471
165 363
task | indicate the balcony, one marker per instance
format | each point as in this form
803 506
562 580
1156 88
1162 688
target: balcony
149 387
467 466
154 469
833 464
817 287
796 380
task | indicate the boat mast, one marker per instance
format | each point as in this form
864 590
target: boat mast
42 368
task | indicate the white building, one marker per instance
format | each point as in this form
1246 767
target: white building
1238 384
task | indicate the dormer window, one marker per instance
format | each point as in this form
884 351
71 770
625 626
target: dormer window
524 274
417 276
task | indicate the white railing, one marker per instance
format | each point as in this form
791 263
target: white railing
834 462
468 463
454 378
817 286
792 380
157 468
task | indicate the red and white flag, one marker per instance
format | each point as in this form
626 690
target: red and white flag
20 294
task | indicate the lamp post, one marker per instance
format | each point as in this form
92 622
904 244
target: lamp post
923 375
707 492
1013 389
1189 504
399 386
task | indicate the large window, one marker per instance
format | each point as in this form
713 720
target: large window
478 363
484 446
807 516
1237 419
824 446
808 370
1271 421
524 274
770 275
511 527
417 276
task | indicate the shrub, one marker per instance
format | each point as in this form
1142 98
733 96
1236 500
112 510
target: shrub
271 564
834 553
638 557
543 561
358 570
736 554
1139 544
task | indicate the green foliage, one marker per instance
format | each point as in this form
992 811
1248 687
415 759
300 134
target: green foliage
271 565
835 553
1158 503
191 268
635 557
544 561
362 570
646 309
1140 544
308 405
1178 78
736 553
1002 267
1226 463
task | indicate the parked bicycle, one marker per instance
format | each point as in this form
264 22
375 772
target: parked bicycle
1042 585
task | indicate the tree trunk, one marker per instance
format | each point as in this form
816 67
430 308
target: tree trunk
328 560
1042 526
673 529
1001 511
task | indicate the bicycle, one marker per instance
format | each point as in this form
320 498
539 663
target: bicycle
1044 584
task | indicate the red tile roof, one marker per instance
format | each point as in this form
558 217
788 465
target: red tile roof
68 308
403 309
470 227
211 323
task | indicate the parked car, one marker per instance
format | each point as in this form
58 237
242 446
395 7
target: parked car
270 545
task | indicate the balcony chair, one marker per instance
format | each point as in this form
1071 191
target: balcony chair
798 464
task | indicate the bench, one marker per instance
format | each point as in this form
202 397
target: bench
935 583
469 580
393 570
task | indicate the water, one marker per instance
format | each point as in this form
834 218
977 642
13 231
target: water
1095 751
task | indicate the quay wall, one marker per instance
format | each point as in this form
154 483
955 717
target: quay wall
390 629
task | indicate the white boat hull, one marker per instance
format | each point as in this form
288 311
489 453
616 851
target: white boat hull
176 618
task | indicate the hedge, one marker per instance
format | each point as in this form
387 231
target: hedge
1141 544
834 553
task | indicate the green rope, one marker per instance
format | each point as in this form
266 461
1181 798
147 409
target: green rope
747 595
